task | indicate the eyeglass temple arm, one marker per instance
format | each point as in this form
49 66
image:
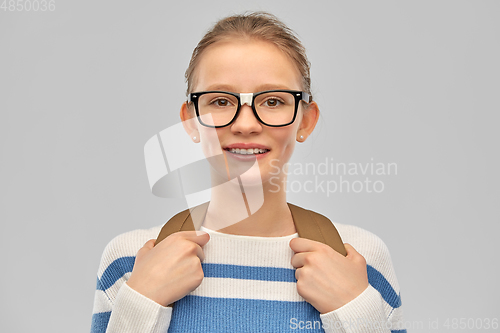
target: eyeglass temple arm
306 97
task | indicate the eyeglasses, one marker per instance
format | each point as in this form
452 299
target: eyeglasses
275 108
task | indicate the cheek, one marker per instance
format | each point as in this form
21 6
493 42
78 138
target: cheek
286 142
289 149
209 139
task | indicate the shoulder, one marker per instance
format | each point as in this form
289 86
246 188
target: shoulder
125 246
381 274
117 262
369 245
132 240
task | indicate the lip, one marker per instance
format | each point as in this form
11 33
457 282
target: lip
246 158
245 146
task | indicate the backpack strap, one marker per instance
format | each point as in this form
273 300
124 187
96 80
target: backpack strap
182 222
316 227
309 224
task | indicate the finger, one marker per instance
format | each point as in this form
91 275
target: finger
190 240
150 244
147 246
297 273
200 253
298 259
351 251
199 237
304 245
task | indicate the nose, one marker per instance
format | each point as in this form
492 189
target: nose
246 122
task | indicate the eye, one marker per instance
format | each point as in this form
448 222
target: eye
273 102
221 102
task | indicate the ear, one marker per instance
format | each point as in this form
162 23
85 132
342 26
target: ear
189 121
310 117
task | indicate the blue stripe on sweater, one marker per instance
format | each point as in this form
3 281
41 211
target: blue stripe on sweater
210 314
249 272
100 322
114 271
375 278
379 282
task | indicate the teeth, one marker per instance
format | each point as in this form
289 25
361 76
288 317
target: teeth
249 151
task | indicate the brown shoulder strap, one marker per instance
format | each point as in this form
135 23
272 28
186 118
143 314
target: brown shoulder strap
317 227
309 224
183 222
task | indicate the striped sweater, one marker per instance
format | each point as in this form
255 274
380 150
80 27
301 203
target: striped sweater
249 285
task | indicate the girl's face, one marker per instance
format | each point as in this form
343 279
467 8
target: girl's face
250 66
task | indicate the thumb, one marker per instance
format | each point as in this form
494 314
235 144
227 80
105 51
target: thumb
146 248
202 238
351 251
150 244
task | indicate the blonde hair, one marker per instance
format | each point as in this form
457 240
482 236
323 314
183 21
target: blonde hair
260 25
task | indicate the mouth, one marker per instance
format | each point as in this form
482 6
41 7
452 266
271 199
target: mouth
247 149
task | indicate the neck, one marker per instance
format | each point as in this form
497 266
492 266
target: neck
259 210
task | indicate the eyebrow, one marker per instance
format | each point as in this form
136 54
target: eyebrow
263 87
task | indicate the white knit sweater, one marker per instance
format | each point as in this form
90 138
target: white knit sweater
249 286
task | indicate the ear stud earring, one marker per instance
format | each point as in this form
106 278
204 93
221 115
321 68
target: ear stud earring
194 138
301 137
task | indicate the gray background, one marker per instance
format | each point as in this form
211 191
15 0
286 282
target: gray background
84 87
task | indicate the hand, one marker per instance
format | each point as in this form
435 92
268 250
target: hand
170 270
325 278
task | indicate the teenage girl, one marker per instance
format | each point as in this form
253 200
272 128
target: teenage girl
249 97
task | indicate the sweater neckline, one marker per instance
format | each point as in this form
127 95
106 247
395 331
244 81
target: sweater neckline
233 236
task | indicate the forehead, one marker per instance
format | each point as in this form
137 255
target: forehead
245 65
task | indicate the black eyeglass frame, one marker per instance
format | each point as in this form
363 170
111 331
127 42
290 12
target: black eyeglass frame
298 95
